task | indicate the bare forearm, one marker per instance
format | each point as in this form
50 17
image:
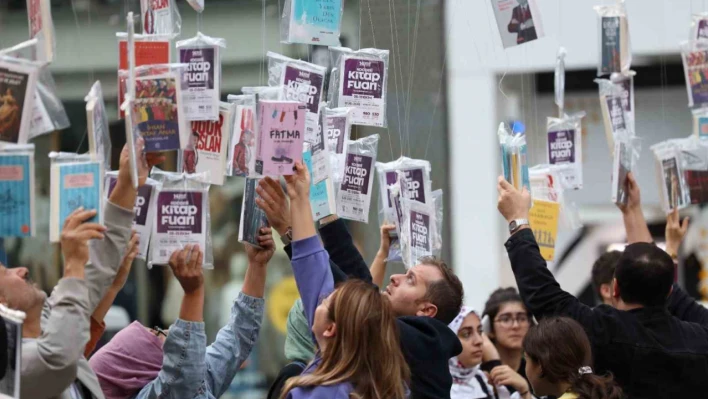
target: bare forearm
636 226
301 216
123 195
378 268
254 282
106 302
193 306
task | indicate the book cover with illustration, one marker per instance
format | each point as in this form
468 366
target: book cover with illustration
519 21
253 218
315 22
208 146
157 110
696 69
17 217
74 185
17 93
243 142
282 134
157 17
147 52
322 196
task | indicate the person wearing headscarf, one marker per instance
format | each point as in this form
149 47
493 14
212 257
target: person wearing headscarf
469 381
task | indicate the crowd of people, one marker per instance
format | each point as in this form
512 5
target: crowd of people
352 335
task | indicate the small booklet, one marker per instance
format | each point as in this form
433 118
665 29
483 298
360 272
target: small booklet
208 147
614 42
322 196
281 136
314 22
253 218
543 220
519 21
157 110
202 81
17 193
243 141
620 169
180 221
74 184
148 51
17 94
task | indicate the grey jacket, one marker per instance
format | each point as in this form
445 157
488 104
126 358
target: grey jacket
52 362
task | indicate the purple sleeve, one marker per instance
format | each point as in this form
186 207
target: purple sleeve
312 274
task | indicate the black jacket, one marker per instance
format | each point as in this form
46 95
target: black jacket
426 343
651 353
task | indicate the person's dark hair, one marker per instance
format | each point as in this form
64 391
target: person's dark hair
499 298
447 293
561 347
603 270
644 274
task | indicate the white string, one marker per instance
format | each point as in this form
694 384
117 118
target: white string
396 76
263 42
411 70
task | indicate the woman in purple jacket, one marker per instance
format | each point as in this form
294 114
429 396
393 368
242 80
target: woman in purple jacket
353 325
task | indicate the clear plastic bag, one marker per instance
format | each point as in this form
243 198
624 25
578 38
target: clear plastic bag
617 105
144 210
322 196
244 136
439 204
396 191
160 17
253 218
418 186
17 190
420 234
559 77
514 157
312 22
158 107
700 122
695 66
670 179
75 181
300 81
546 185
18 85
354 192
614 43
281 127
41 27
208 146
337 121
360 82
197 5
625 157
694 166
565 148
99 137
202 80
267 93
699 27
181 218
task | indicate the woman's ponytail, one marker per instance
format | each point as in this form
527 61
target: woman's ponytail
593 386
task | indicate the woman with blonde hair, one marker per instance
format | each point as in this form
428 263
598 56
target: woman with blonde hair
353 325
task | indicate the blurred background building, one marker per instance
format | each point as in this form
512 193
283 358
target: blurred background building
450 84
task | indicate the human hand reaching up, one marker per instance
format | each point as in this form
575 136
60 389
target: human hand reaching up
274 203
299 184
186 264
675 232
75 237
385 244
512 203
634 200
261 256
131 251
124 193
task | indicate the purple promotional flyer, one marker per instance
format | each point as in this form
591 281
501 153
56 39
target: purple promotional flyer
354 197
561 147
362 88
617 112
420 234
303 86
200 82
179 221
336 133
415 184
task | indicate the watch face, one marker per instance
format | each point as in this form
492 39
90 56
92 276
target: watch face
513 225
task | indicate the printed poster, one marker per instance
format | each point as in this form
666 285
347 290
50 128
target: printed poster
611 45
179 222
243 142
563 150
315 22
207 149
17 88
519 21
282 128
354 196
157 112
362 88
543 219
16 195
420 229
146 53
675 196
305 87
157 17
200 82
144 214
696 66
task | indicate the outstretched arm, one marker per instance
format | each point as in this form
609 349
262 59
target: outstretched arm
632 215
378 266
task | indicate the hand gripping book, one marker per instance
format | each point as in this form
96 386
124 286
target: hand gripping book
252 217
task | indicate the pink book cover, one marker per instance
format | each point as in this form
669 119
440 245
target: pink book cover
281 136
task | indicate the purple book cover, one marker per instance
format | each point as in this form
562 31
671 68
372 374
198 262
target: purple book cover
363 78
415 188
561 147
179 212
281 137
200 68
420 232
356 174
142 201
303 86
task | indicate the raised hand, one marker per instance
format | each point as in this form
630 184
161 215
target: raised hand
512 203
131 251
385 244
634 198
186 264
145 163
299 183
74 241
261 256
675 232
274 203
504 375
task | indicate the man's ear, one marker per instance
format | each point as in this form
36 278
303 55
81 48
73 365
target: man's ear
615 289
427 309
606 291
331 331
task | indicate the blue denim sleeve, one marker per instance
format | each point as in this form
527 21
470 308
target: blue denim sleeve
182 363
233 343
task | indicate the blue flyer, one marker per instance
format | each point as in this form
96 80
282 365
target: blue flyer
321 194
16 195
74 185
315 22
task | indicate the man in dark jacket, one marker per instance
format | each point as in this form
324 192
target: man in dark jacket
426 299
651 353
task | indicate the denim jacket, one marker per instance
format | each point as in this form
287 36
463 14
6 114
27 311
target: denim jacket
191 370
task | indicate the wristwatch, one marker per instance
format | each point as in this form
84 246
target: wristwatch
516 224
287 238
